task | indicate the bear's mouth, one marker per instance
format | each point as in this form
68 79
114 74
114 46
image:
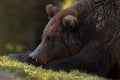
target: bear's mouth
41 60
35 59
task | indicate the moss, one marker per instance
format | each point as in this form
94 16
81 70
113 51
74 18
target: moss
37 73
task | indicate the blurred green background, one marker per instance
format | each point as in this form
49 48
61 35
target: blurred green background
22 23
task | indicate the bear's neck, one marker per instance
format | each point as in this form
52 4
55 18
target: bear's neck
117 2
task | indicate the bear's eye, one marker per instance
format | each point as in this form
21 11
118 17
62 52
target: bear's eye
51 42
51 39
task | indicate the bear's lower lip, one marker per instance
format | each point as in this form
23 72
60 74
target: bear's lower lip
34 58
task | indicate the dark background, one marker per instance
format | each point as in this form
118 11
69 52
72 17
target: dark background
22 23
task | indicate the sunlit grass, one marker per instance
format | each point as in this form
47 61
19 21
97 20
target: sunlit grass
67 3
37 73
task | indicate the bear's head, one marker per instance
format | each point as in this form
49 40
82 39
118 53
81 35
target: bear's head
65 34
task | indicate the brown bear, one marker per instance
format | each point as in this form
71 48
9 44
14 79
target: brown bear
85 36
65 34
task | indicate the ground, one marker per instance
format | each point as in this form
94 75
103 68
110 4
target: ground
11 69
6 75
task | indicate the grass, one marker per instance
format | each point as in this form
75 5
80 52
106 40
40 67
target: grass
37 73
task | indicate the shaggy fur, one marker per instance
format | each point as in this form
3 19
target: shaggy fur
92 45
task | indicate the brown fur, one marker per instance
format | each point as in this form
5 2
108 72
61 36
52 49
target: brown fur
92 45
100 55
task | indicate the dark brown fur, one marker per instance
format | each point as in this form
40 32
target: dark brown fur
100 55
92 45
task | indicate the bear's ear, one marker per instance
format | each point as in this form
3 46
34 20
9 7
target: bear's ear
70 20
51 10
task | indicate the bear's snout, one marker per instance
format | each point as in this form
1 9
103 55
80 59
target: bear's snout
41 59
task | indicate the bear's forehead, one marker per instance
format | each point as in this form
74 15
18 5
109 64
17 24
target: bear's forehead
51 27
55 24
52 24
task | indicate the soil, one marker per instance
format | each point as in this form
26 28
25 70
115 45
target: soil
6 75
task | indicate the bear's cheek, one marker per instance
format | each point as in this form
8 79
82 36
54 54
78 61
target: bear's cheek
43 59
45 52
